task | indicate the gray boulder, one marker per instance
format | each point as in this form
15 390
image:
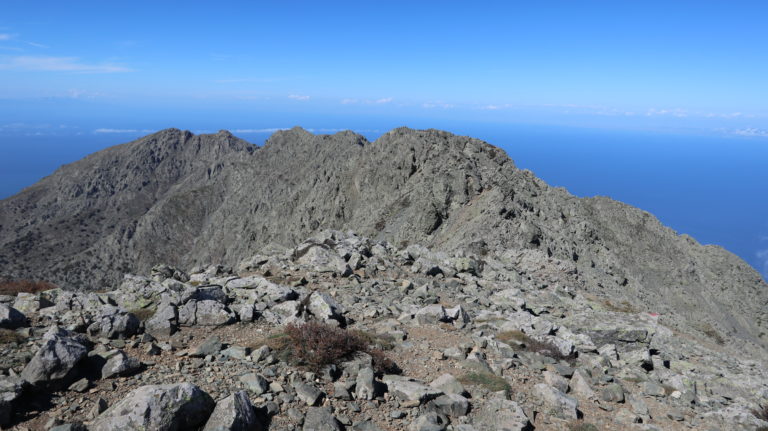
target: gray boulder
255 383
410 391
119 364
365 386
157 407
323 307
556 403
205 313
11 318
320 419
11 389
233 413
164 323
431 314
499 413
54 363
114 323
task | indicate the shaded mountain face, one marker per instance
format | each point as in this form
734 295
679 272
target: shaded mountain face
181 199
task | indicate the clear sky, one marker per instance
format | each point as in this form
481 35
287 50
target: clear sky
688 78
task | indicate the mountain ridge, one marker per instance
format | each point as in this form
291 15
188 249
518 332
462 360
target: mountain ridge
188 199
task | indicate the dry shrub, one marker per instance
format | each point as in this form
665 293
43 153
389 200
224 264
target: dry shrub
761 412
580 425
8 336
521 340
489 381
143 314
316 345
12 287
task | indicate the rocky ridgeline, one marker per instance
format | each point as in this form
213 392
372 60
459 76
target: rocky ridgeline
494 343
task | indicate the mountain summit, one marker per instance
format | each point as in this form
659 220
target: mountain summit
186 199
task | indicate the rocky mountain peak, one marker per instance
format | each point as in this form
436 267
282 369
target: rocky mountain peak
187 199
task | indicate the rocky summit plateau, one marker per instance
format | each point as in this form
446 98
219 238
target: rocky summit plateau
419 282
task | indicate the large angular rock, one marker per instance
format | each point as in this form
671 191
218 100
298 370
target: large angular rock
11 318
205 313
119 364
320 419
173 407
11 389
365 385
308 393
431 314
54 364
30 303
164 323
233 413
114 323
255 383
255 288
322 259
448 384
323 307
450 405
556 403
410 391
499 413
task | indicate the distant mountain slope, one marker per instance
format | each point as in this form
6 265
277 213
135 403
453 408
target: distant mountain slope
181 199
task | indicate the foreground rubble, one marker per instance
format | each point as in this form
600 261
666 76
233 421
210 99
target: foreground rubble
480 343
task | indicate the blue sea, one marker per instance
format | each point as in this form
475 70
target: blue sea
711 187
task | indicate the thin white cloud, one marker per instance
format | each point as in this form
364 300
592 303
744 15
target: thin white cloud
495 107
680 113
381 101
298 97
5 36
751 132
268 130
35 44
105 130
57 64
439 105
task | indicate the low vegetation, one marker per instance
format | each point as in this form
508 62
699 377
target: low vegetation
143 314
489 381
8 336
761 412
581 426
316 345
12 287
518 339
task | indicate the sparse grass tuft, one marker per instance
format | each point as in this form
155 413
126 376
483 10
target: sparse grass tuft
8 336
315 345
12 287
521 340
712 333
621 307
143 314
761 412
581 426
489 381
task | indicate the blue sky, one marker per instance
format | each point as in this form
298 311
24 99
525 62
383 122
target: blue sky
77 76
677 66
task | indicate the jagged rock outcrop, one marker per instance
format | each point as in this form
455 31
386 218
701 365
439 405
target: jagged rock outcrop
182 199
